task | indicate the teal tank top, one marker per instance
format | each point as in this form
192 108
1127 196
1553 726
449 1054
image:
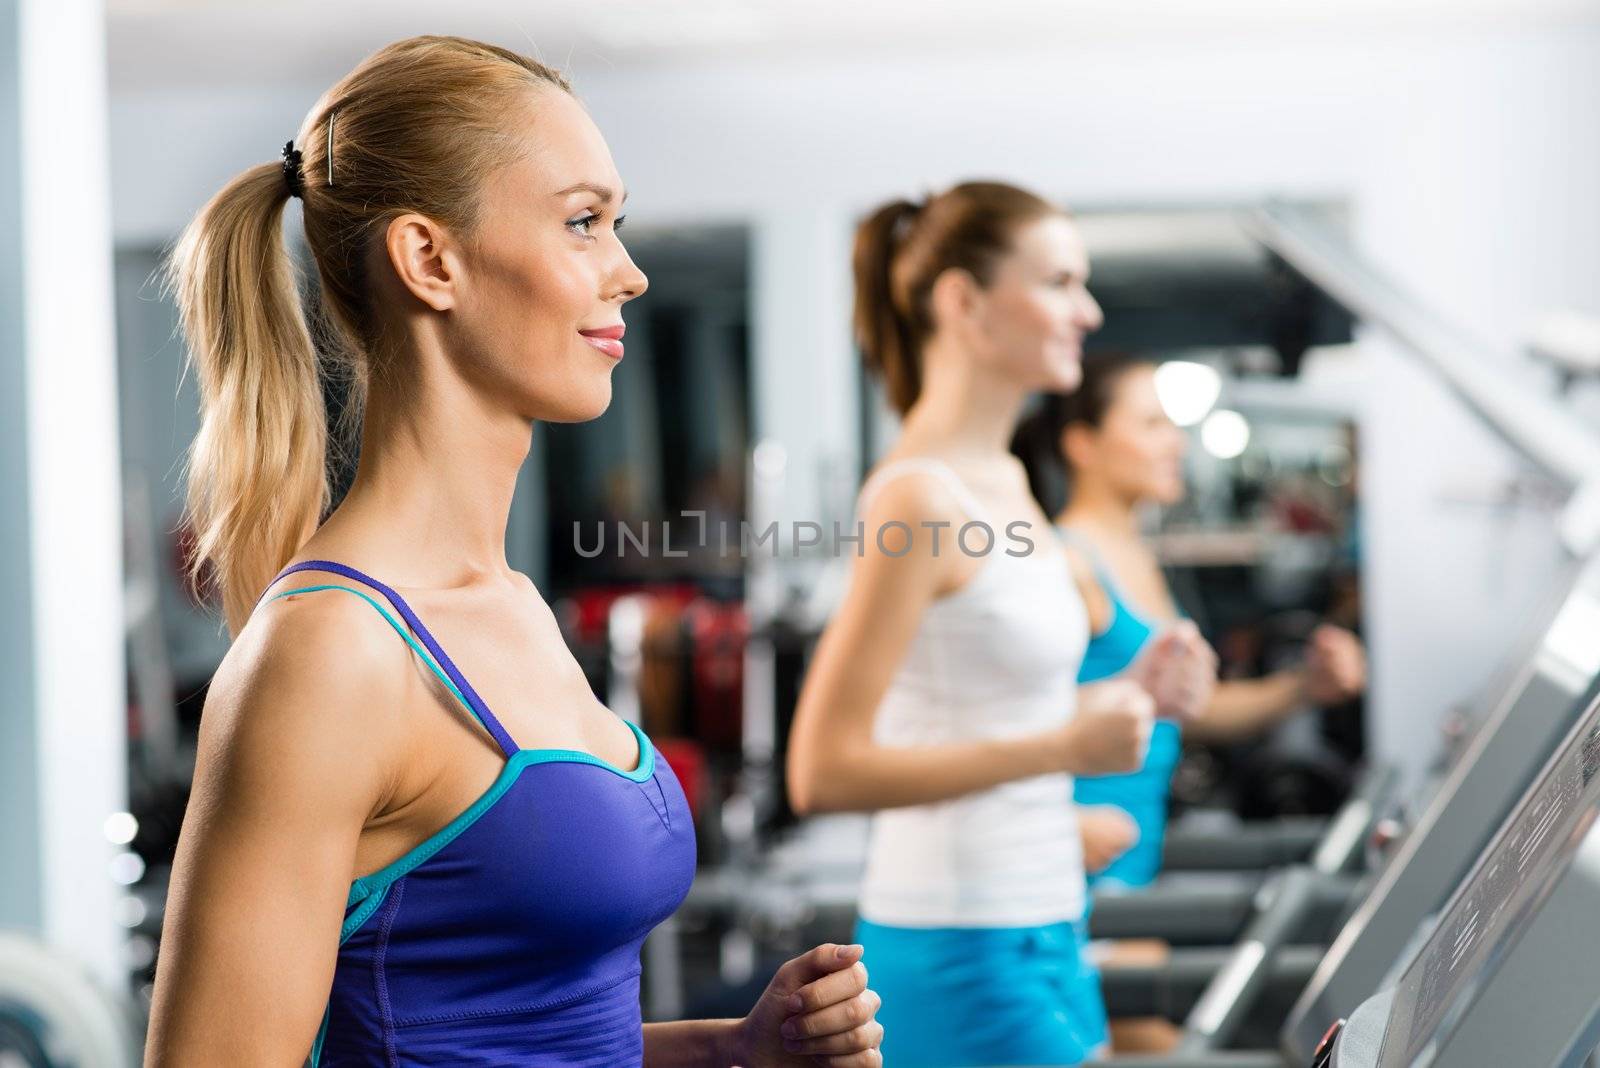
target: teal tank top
1143 793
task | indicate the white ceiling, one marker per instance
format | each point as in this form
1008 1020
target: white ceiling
220 43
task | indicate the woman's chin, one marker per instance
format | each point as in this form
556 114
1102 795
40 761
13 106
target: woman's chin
1167 495
1064 377
591 405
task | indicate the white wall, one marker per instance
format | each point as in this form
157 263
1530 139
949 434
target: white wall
1471 158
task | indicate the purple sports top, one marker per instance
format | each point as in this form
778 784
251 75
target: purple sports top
510 937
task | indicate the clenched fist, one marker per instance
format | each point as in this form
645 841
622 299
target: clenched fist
1107 832
1110 732
1336 666
816 1013
1179 670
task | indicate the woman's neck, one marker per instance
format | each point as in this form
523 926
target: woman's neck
432 493
963 409
1096 506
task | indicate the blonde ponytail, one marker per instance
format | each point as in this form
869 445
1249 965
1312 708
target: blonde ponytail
257 482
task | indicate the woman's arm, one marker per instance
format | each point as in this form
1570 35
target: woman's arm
1335 670
834 763
1241 707
295 739
689 1043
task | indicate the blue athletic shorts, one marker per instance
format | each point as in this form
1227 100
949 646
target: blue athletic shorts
991 996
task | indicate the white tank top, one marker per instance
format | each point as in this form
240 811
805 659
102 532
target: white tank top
998 658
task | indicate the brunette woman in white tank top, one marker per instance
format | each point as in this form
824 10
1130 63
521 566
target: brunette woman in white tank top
995 660
942 695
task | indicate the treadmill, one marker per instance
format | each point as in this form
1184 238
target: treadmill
1510 972
1451 833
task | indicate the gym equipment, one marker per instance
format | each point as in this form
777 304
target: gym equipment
1535 708
1210 908
1509 973
1241 845
1533 715
1559 663
53 1015
1568 341
1171 988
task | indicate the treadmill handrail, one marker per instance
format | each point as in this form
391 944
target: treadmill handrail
1535 426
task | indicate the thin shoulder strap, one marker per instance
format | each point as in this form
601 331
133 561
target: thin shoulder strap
923 465
1102 570
1084 544
1087 547
453 674
399 628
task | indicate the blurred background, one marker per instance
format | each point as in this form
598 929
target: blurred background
1370 231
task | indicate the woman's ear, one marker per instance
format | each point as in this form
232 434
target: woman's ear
423 259
953 298
1077 446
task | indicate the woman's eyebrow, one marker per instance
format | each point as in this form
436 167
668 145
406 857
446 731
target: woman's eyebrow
603 192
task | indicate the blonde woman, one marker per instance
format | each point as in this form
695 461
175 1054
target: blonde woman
377 868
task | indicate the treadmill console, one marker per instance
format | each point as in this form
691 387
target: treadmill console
1492 907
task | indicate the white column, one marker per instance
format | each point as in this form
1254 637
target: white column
804 362
19 835
73 498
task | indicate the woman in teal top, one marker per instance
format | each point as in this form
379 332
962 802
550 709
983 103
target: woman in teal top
1142 794
1120 452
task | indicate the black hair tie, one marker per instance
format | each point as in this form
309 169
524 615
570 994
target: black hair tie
292 176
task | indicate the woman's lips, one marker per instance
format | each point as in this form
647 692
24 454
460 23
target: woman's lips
607 339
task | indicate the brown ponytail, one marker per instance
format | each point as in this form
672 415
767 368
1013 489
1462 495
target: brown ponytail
881 331
901 249
420 124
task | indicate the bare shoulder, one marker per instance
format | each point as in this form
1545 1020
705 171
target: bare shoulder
309 697
297 753
909 520
1014 471
912 494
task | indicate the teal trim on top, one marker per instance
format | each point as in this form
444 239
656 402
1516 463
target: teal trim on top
402 630
1108 579
322 1037
367 893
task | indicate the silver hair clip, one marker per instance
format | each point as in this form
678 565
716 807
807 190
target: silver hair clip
331 116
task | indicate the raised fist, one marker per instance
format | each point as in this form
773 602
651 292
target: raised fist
1336 666
1179 670
1110 732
